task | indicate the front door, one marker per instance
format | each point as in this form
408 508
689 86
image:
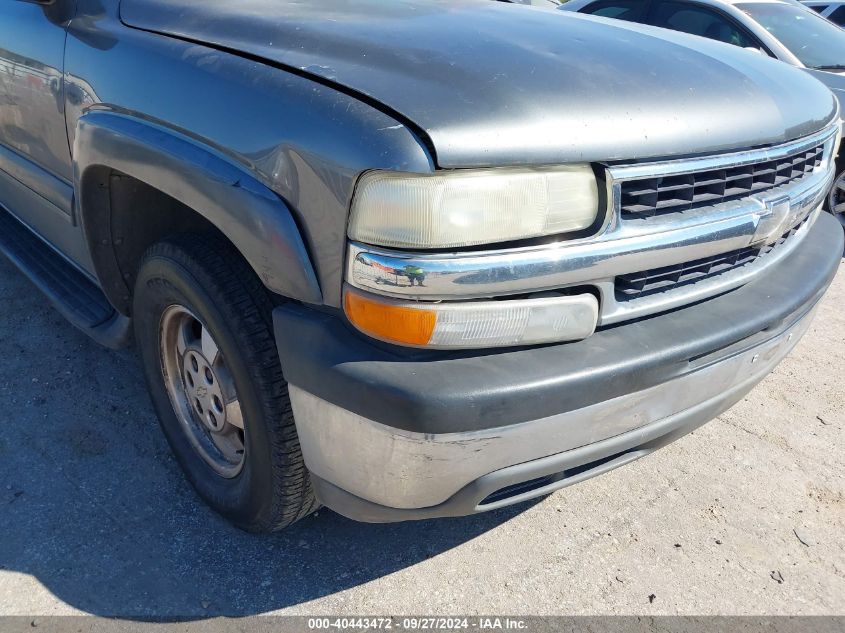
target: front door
36 171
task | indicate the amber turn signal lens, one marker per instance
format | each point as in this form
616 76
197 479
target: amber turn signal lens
395 324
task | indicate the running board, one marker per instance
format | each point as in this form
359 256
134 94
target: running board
73 294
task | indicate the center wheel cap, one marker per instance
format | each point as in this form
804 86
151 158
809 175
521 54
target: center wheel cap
203 390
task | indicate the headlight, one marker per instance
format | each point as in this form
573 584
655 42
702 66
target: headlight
469 207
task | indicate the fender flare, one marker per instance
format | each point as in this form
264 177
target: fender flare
256 220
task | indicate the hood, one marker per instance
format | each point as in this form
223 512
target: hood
492 83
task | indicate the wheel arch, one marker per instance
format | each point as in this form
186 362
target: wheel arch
137 182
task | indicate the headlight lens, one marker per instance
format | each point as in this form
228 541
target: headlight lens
470 207
473 324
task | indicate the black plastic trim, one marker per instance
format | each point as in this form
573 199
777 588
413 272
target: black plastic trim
251 216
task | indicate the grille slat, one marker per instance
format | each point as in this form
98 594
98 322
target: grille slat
649 282
649 197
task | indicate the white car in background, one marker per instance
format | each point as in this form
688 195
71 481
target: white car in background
784 29
549 4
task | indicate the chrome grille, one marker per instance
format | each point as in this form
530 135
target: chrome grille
648 282
648 197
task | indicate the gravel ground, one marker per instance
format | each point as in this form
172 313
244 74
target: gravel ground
745 516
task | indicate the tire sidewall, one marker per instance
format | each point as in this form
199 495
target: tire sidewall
840 176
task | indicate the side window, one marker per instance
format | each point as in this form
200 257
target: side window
630 10
818 8
698 20
838 15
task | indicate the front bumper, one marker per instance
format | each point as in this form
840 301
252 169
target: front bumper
390 434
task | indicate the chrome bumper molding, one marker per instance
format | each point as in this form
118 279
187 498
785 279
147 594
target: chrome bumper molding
401 469
622 247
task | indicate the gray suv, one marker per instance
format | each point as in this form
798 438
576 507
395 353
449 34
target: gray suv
412 259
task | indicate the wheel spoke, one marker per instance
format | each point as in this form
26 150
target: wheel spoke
209 347
840 185
231 404
839 208
234 415
229 443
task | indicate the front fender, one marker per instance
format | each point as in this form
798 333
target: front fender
256 220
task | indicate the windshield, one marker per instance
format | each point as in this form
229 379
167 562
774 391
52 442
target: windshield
812 39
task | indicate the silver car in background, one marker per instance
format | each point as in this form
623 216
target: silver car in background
783 29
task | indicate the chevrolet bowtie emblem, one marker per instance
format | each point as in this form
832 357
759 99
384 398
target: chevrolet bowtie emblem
776 219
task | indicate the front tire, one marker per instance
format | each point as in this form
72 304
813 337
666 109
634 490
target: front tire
836 197
203 327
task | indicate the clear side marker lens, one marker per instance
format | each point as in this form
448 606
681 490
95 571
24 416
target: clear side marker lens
467 325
